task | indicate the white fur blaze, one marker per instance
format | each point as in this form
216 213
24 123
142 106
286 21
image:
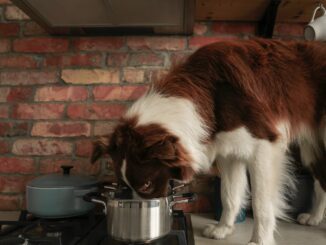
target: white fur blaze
180 117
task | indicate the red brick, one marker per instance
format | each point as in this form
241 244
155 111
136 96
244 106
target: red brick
90 76
4 128
235 28
14 184
13 78
84 148
9 29
41 45
95 111
4 147
41 147
61 129
200 28
9 202
133 75
4 45
149 59
117 59
80 166
198 41
17 94
38 111
92 60
179 57
67 93
3 94
17 62
33 29
4 111
14 13
156 43
157 74
98 43
103 128
11 129
5 2
107 93
289 29
17 165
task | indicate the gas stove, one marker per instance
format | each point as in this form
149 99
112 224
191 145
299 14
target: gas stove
89 229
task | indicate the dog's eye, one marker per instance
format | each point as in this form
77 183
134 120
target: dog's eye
146 187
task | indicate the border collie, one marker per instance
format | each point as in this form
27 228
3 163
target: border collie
240 104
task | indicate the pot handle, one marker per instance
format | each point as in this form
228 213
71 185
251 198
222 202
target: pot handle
183 198
94 197
111 186
177 187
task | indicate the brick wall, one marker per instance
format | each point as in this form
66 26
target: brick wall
59 93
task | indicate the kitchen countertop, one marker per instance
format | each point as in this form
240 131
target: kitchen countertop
289 233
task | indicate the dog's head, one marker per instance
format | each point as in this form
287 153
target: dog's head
145 158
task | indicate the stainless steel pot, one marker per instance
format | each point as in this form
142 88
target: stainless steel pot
131 220
60 195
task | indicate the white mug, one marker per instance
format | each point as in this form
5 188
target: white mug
316 29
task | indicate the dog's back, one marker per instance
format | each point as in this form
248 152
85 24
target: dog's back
259 84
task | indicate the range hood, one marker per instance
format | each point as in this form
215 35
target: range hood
106 16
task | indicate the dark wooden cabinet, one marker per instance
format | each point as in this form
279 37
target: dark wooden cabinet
105 16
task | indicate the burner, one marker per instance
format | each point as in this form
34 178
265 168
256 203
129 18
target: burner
83 230
173 238
31 230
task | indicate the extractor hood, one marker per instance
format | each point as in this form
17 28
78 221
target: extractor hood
111 16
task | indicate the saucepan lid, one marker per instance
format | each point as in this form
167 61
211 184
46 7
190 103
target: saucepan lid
63 180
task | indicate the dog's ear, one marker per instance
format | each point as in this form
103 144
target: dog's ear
164 150
107 144
171 154
100 148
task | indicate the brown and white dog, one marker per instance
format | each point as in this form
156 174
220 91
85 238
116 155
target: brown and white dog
239 103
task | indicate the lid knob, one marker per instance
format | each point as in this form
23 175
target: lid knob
66 169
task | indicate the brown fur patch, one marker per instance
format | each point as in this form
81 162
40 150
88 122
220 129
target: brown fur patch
254 83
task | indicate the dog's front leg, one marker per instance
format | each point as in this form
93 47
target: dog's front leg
233 186
265 171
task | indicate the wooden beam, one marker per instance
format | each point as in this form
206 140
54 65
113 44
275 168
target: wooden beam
231 10
295 11
299 11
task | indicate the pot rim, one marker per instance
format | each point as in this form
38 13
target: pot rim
85 187
159 199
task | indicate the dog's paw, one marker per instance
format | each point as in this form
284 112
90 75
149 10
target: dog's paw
217 231
261 243
308 219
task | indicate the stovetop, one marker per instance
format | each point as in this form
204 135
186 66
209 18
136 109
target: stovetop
89 229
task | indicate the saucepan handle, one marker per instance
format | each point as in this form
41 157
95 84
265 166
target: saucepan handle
96 197
111 186
177 187
183 198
